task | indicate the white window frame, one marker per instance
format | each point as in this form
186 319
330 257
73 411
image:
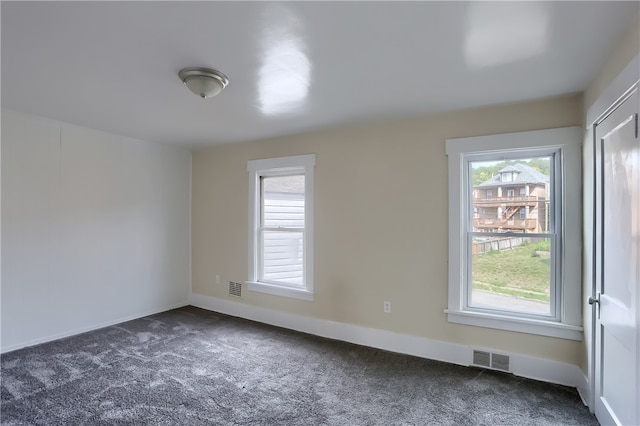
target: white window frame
281 166
566 144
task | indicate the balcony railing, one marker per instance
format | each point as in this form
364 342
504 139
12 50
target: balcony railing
528 200
517 224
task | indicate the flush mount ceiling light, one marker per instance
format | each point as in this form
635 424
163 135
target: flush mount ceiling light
204 82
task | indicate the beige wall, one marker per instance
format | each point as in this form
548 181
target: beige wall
625 50
380 222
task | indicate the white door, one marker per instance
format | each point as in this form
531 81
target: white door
617 360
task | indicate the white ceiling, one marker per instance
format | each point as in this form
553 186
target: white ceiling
294 66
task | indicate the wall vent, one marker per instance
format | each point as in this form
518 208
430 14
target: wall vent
481 358
491 360
235 289
500 362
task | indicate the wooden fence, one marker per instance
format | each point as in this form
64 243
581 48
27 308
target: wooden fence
499 244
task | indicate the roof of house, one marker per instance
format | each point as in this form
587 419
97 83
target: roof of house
526 175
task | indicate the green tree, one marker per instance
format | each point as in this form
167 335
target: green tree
540 164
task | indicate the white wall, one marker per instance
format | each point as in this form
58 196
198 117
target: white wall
95 229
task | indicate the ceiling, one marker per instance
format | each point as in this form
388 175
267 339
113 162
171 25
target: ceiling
293 67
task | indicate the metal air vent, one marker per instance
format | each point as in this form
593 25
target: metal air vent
491 360
500 362
235 289
482 358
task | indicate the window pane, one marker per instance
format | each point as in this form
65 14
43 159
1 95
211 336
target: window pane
512 274
283 201
511 196
282 257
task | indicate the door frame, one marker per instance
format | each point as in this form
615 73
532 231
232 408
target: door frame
617 91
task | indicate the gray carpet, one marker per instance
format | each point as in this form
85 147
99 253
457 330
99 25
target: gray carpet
194 367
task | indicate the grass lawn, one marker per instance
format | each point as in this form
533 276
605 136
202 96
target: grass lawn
523 271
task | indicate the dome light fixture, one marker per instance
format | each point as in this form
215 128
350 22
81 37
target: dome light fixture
204 82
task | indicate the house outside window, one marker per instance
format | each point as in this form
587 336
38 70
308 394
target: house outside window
281 226
516 271
505 209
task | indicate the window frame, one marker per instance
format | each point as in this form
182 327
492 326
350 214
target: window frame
566 321
270 167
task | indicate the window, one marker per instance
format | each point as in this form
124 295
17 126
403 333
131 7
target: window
523 191
523 213
281 226
511 193
519 275
489 193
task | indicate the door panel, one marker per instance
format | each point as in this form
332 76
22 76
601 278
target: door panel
617 240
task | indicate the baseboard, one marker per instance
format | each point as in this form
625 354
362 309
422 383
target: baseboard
380 339
550 371
521 365
89 328
584 390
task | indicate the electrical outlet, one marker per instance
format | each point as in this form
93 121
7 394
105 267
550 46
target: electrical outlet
387 307
217 279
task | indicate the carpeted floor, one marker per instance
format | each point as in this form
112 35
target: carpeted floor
193 367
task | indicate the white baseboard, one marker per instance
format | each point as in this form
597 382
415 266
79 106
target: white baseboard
88 328
521 365
584 390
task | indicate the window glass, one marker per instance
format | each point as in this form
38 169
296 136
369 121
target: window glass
282 242
283 201
512 251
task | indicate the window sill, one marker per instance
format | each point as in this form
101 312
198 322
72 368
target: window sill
521 325
278 290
